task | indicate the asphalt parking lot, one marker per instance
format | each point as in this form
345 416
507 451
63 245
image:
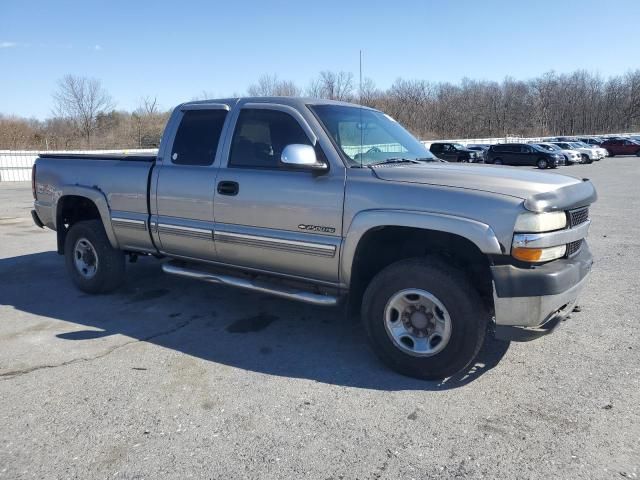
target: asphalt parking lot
171 378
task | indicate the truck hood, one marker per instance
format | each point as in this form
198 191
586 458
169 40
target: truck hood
516 182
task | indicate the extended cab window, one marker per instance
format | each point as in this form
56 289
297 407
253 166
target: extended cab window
197 138
260 137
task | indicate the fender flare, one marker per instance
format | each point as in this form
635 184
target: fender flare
98 198
480 234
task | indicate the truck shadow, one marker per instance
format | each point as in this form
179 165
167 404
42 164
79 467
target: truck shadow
218 324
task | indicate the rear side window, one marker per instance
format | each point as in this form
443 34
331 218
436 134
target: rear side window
261 135
197 138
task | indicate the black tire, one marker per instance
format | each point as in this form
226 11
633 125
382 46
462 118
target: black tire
498 161
110 264
467 312
542 163
638 153
585 158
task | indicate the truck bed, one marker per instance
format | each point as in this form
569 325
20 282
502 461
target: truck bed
120 180
149 158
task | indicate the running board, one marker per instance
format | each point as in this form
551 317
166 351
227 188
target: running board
253 285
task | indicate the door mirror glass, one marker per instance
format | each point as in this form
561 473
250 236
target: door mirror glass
301 156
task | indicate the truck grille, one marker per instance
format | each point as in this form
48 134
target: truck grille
578 216
573 248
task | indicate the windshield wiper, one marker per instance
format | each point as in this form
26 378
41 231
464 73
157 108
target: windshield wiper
392 161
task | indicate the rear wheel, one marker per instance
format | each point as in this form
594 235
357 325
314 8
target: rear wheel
423 318
93 264
542 163
497 161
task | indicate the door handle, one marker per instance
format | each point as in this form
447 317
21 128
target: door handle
228 188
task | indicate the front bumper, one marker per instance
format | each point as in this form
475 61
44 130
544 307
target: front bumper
534 300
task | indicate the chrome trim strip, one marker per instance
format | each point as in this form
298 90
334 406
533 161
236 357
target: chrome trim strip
184 231
295 246
279 291
129 223
551 239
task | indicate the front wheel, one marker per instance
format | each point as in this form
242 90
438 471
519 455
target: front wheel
542 163
423 318
93 264
497 161
586 159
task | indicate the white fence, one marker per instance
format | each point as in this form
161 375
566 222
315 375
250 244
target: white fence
15 165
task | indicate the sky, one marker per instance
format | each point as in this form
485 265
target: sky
176 50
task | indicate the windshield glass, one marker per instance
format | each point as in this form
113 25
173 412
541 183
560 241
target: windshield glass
548 147
368 136
537 147
577 145
459 146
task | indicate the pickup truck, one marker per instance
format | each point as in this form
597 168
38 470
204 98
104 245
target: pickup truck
331 204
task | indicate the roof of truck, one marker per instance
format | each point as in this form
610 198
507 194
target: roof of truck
293 101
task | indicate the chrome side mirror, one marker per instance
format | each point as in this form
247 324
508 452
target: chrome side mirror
301 156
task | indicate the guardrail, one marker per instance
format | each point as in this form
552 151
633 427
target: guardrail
15 165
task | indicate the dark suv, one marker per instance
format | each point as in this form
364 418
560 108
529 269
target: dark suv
522 154
622 147
454 152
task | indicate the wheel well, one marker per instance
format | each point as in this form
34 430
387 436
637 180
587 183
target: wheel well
73 209
383 246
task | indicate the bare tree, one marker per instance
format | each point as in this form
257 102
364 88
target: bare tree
272 86
144 117
81 99
332 85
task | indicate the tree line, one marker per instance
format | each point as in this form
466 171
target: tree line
84 114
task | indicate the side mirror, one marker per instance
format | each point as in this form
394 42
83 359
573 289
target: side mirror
302 157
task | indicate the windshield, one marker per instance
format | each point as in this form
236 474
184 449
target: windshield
459 146
540 148
367 137
577 145
548 147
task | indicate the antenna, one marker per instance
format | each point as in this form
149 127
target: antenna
360 102
360 77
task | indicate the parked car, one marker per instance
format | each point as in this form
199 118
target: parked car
591 141
276 195
570 156
481 149
588 154
622 147
454 152
522 154
600 152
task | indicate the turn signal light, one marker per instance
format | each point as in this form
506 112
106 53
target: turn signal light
534 255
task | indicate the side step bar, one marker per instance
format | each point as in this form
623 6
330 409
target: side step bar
277 290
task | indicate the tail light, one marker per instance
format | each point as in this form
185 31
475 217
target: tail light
33 181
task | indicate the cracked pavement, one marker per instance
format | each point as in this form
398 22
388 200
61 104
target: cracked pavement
171 378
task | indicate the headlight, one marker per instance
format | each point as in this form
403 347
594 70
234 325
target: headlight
530 222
